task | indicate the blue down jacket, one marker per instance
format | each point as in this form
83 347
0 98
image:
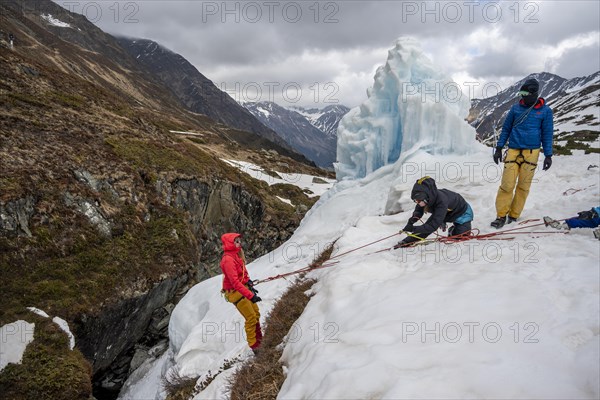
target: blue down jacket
528 129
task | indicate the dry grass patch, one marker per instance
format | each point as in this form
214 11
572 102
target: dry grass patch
261 377
179 387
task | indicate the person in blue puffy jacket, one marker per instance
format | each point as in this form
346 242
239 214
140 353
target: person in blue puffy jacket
527 128
584 219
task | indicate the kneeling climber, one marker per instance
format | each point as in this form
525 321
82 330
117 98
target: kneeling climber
444 205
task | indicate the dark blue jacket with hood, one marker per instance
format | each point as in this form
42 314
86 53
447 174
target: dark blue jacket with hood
444 205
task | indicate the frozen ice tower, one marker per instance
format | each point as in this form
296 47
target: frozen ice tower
411 105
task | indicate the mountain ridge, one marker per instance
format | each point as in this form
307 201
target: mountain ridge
326 119
574 103
194 90
312 132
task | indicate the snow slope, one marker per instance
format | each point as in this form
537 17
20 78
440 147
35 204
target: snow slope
303 181
495 319
55 21
500 319
14 338
514 317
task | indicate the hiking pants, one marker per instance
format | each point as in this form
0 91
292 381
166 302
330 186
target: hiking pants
582 222
459 229
519 168
251 314
462 224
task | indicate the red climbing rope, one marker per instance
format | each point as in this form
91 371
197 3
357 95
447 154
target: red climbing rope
473 234
366 245
571 191
324 265
299 271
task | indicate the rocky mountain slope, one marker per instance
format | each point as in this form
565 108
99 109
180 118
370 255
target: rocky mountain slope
312 132
574 102
194 90
106 216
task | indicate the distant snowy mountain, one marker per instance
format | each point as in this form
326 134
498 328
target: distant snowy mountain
311 132
326 119
575 103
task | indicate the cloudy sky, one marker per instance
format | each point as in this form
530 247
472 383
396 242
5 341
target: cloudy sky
315 53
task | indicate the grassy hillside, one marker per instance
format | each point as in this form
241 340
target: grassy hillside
90 214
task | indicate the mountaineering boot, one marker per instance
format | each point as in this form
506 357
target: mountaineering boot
259 334
555 224
510 220
498 222
255 348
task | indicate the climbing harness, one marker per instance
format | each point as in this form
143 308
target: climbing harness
520 159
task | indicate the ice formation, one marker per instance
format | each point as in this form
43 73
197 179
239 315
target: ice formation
411 105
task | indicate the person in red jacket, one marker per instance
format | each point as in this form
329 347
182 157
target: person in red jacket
239 289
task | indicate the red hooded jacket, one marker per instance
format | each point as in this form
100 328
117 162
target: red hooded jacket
233 267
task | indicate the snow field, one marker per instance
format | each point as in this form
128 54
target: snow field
14 338
303 181
482 319
500 319
495 319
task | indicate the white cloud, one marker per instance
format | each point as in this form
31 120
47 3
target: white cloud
571 56
343 41
323 77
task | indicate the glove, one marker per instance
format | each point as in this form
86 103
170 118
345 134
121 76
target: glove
250 283
410 225
401 244
255 299
253 290
547 163
497 155
586 214
444 227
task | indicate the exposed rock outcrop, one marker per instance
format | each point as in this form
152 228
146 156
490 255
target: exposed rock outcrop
15 215
108 339
106 217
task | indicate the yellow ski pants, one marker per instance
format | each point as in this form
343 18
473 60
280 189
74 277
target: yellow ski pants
519 169
251 314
